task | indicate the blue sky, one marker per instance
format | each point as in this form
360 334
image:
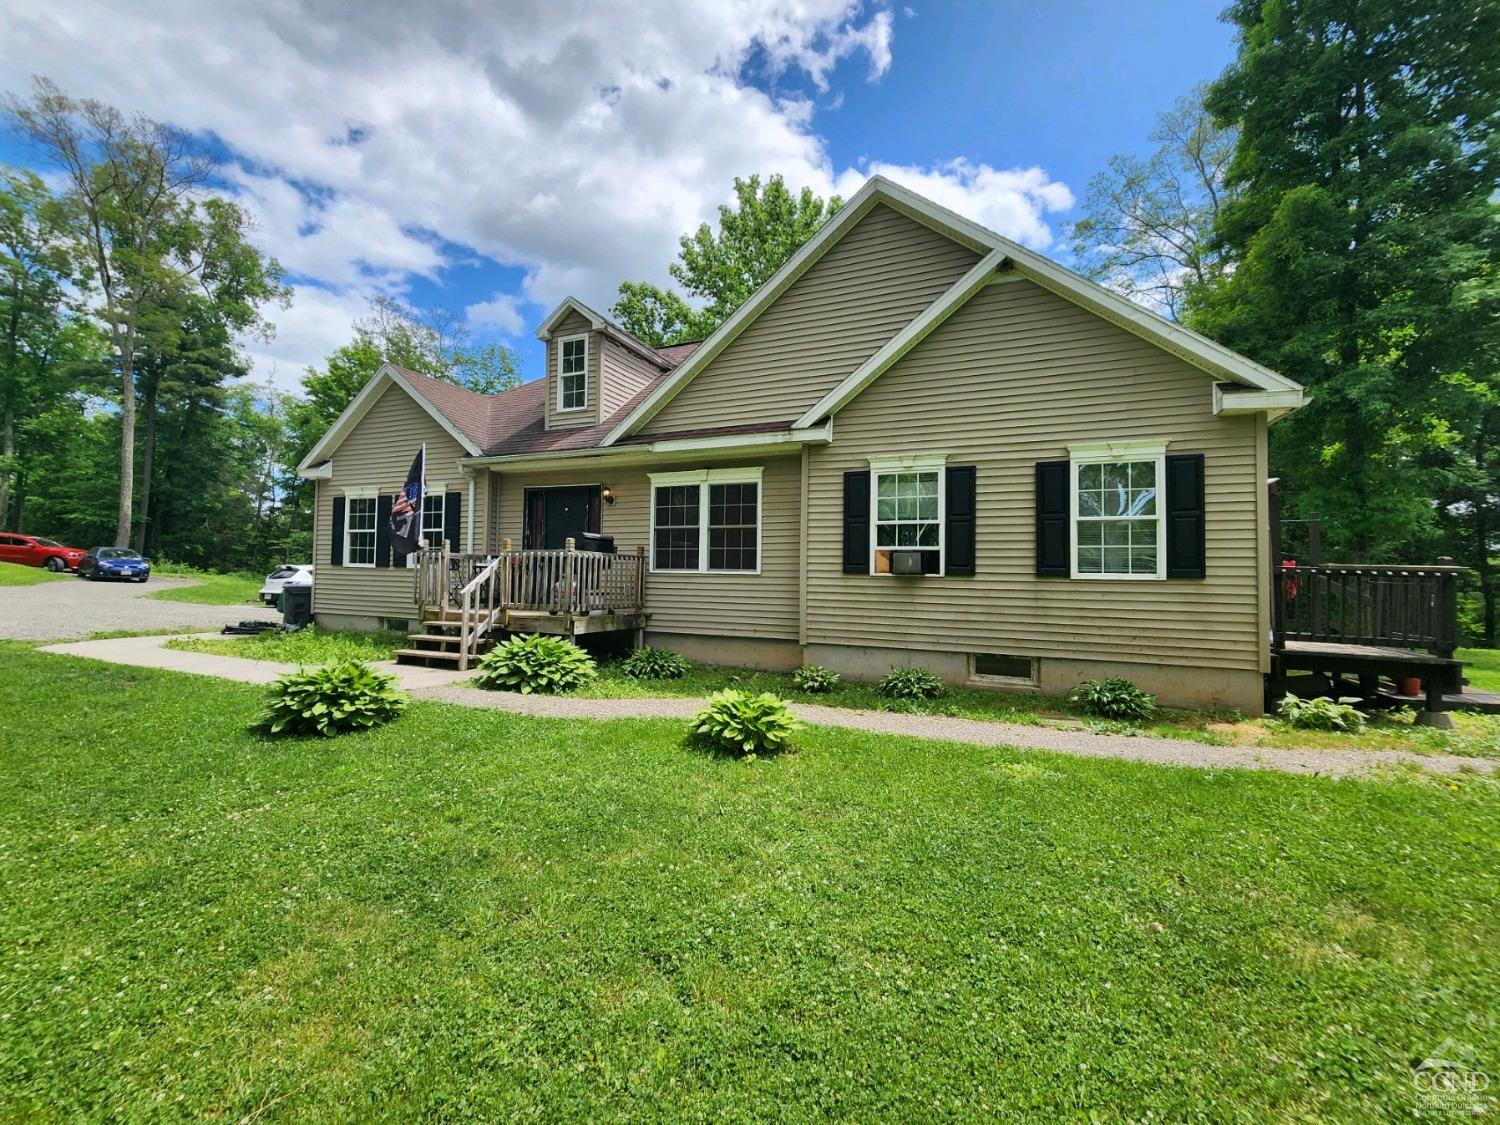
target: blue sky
493 159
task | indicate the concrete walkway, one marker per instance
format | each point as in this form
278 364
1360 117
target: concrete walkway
450 687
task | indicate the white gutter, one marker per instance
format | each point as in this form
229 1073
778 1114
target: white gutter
720 443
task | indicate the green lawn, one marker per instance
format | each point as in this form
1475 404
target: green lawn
308 646
1484 667
14 574
1475 735
470 914
210 588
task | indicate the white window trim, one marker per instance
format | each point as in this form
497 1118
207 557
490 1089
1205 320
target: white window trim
1115 452
361 494
433 488
913 463
702 478
562 343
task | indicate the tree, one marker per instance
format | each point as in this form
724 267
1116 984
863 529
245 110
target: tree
130 183
1364 244
33 276
722 268
1148 225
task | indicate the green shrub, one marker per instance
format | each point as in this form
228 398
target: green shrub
815 678
909 683
655 664
742 723
330 700
1321 713
536 664
1114 698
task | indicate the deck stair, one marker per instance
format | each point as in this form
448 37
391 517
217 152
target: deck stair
466 603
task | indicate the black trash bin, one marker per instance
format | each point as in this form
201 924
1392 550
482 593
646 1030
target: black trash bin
296 606
593 541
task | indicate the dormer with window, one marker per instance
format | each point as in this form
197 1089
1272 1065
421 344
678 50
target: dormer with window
594 367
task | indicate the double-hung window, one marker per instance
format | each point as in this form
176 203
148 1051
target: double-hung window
573 373
706 520
359 530
906 495
1118 514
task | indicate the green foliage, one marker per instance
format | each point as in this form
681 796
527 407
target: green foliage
330 700
741 722
722 268
1321 713
815 678
1114 698
909 683
536 663
208 588
655 664
1363 238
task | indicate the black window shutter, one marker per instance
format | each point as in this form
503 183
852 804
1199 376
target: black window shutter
383 531
453 513
958 549
857 522
1186 516
336 539
1054 539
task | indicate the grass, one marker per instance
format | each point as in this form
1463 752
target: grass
1474 735
14 574
476 915
308 646
209 588
1483 668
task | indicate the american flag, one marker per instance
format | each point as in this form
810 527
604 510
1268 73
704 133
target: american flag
406 508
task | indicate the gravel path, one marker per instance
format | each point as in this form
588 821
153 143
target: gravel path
72 607
452 687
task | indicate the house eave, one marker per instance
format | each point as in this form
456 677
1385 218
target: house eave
1234 399
787 440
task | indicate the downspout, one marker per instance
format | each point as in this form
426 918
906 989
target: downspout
470 532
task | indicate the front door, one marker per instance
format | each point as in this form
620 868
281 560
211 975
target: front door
554 515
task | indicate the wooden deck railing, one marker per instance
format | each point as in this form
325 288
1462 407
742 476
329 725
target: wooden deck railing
484 589
1412 607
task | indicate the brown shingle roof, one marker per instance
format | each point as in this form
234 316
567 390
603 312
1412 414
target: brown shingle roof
676 353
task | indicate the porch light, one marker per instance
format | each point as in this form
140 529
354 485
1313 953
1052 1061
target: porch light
607 494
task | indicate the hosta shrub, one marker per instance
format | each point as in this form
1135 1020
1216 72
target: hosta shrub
537 664
909 683
332 699
655 664
1114 698
1321 713
742 723
815 678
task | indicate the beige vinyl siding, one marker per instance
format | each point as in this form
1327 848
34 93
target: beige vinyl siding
623 374
883 272
731 605
377 454
1010 379
574 324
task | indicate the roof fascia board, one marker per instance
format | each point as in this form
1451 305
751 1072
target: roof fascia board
903 341
793 268
1252 402
565 306
727 443
323 471
360 406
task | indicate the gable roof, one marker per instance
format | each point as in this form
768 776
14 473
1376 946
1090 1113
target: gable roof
432 395
601 323
1000 252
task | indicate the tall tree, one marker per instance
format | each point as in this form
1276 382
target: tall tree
1364 241
764 228
1147 230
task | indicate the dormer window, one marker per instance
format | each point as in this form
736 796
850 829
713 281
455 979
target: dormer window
573 373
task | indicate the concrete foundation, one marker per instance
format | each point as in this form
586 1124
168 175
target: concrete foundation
741 652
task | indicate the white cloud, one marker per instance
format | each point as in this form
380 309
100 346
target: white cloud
501 311
575 140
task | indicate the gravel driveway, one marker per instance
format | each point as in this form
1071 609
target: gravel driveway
75 608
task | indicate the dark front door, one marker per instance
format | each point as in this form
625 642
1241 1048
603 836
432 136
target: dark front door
554 515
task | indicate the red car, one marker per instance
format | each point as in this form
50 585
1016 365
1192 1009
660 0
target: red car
33 550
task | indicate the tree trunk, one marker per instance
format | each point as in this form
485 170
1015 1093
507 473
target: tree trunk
148 460
127 441
1482 530
7 451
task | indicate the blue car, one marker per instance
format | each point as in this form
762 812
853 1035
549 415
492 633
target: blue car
114 562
